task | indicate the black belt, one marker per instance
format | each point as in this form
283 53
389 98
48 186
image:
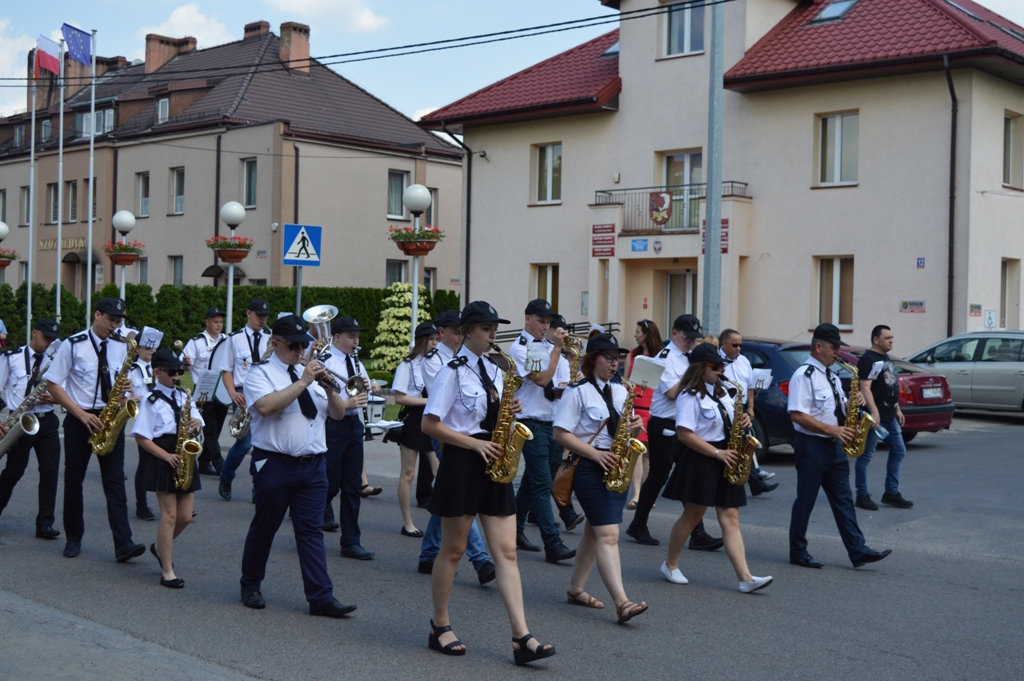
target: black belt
284 457
530 418
346 416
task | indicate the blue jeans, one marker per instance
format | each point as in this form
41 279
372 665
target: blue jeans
897 450
235 456
535 487
476 550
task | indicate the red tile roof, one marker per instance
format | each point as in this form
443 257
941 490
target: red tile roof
574 81
875 34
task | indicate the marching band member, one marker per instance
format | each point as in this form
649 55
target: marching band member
141 373
461 412
156 432
196 356
585 424
19 376
80 379
704 417
648 344
288 468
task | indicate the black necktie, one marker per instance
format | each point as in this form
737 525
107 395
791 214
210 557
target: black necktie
613 416
493 401
349 366
306 405
34 377
840 416
726 421
104 373
256 347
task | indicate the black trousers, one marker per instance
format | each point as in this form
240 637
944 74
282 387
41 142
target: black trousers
344 460
424 481
664 452
46 444
214 415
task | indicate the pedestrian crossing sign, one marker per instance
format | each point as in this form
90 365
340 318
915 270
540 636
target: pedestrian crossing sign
302 245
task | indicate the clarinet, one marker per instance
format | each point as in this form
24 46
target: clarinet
367 433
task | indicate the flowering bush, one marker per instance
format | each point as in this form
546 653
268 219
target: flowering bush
225 243
118 247
8 254
394 329
427 233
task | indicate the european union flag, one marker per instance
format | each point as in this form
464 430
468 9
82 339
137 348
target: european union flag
79 44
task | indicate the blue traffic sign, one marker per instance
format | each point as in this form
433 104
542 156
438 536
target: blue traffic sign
302 245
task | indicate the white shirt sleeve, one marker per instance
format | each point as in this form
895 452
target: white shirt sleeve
60 367
443 396
5 374
801 394
518 353
257 384
403 378
227 360
569 410
145 422
687 411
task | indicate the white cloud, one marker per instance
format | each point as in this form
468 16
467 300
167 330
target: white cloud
187 20
420 113
13 54
1011 9
352 16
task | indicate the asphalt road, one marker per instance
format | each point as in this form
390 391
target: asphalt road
947 604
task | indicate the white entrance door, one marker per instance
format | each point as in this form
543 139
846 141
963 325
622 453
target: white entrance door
681 295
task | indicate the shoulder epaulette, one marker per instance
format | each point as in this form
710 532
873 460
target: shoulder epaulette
235 333
522 340
693 391
198 336
459 361
430 354
407 359
578 382
12 351
152 397
119 339
664 353
809 372
78 337
135 366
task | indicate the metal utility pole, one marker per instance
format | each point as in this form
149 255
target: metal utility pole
713 234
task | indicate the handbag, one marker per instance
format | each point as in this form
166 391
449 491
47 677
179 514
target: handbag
561 486
395 434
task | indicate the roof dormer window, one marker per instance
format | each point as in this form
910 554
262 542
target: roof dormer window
163 110
837 9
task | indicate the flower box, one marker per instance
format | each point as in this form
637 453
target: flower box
416 247
232 255
7 256
230 243
123 258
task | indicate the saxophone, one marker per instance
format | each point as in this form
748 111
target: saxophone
859 421
188 449
627 449
241 419
113 415
573 349
508 432
740 442
21 421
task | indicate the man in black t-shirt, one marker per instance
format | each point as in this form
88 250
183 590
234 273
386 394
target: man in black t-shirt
880 386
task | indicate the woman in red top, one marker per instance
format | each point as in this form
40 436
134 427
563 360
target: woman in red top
649 344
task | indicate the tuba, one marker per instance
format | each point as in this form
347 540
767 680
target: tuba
856 419
508 432
739 441
113 415
241 419
188 449
627 449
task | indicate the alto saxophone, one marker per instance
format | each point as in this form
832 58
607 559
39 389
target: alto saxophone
856 419
627 449
21 421
114 415
240 421
508 432
740 442
188 448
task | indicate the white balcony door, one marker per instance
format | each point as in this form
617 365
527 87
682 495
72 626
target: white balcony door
680 294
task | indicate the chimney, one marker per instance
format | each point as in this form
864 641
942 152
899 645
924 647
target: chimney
256 29
161 49
295 46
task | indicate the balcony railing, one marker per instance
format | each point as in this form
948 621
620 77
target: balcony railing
686 198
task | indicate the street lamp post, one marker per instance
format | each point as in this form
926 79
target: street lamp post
416 199
232 213
124 222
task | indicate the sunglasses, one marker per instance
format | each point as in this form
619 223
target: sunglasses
295 347
736 345
714 366
174 372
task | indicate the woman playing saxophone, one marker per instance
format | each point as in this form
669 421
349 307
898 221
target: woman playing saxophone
704 417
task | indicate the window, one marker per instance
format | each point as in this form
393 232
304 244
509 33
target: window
19 135
108 120
836 9
685 172
958 350
51 193
143 183
89 185
430 278
26 205
1007 148
249 190
395 272
177 270
3 205
837 142
1009 294
72 199
547 284
685 29
47 130
24 270
178 190
1013 150
163 110
1001 350
143 270
257 282
397 181
431 215
835 292
549 173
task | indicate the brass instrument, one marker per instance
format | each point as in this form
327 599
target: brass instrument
113 415
573 349
188 448
329 380
240 421
626 448
741 442
858 420
367 432
319 319
508 432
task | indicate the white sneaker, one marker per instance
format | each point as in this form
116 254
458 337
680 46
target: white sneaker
755 584
766 475
676 576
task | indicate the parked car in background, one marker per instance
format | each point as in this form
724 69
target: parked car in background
985 369
925 398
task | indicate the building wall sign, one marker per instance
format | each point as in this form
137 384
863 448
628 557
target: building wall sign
602 229
912 306
657 245
975 310
68 244
603 240
725 235
638 245
602 252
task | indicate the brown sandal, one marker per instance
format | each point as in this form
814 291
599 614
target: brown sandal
629 610
584 599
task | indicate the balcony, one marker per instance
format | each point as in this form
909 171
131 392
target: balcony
686 200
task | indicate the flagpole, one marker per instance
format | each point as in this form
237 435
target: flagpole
60 171
31 201
90 278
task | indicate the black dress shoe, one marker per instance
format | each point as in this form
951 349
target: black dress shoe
573 521
332 608
176 583
224 489
485 573
702 541
759 486
641 535
426 567
47 532
129 551
356 551
144 513
558 552
414 533
331 526
208 469
866 503
253 599
72 549
896 500
870 556
524 544
805 561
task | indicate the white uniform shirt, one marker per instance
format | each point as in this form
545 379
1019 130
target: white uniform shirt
741 372
141 374
562 371
535 405
199 349
812 395
701 414
75 367
336 363
582 410
676 364
14 378
238 357
156 417
433 362
459 398
409 377
288 431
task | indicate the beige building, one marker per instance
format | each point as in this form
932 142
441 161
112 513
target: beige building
256 121
837 158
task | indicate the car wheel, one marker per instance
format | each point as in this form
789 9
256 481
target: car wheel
761 433
907 437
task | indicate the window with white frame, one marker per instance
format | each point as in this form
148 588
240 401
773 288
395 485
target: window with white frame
163 110
19 135
684 29
249 183
549 173
178 190
46 130
684 173
838 140
3 205
142 181
257 282
26 205
394 273
71 190
143 270
835 291
108 120
834 10
430 278
177 270
24 270
51 195
547 284
397 182
90 187
431 215
1013 150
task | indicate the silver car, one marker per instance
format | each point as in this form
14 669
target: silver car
985 369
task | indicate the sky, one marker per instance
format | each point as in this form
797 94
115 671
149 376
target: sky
415 84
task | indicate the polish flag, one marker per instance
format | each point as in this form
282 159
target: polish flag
46 56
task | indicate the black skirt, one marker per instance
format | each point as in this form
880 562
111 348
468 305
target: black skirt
412 437
699 479
463 488
600 505
159 474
